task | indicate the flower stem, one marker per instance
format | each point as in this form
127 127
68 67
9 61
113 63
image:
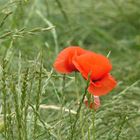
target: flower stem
78 111
93 124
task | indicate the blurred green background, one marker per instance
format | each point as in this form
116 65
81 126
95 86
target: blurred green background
32 26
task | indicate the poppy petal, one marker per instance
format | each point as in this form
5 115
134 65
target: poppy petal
97 103
93 105
63 62
103 86
96 64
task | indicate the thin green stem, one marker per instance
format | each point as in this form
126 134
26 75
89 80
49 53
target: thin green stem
93 124
121 127
62 10
76 86
24 105
17 112
37 100
9 122
63 91
63 83
38 115
78 111
4 98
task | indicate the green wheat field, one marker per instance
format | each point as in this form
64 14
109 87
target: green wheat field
38 103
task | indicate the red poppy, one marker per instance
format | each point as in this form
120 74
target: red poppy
86 62
102 86
63 62
94 64
98 66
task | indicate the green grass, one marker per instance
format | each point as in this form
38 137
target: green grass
38 103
